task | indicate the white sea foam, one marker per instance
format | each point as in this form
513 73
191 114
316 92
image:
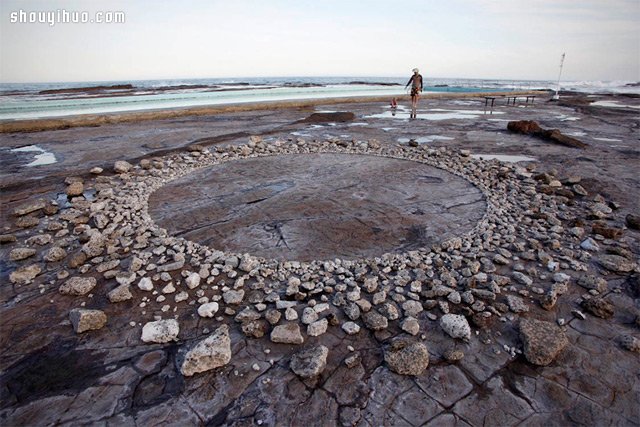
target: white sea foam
613 104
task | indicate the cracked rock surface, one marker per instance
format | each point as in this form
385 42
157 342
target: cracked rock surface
512 272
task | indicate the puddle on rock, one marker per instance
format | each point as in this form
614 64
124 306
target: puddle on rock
43 158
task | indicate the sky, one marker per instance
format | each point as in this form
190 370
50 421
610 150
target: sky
162 39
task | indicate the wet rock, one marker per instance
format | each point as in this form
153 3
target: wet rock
543 341
27 221
78 286
87 320
456 326
406 358
122 166
75 189
29 207
630 343
529 127
160 331
375 321
25 274
616 263
310 362
120 294
208 310
208 354
55 254
337 117
77 259
7 238
633 221
287 334
18 254
598 307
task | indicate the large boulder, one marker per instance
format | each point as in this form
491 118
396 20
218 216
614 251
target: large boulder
543 341
210 353
310 362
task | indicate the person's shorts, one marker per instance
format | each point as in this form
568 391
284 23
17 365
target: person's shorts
415 91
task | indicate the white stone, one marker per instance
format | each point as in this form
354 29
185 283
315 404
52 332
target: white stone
351 328
208 354
208 309
193 280
145 284
456 326
161 331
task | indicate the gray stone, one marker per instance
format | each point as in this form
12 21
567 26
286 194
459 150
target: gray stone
78 286
120 294
160 331
55 254
456 326
543 341
87 320
233 297
406 358
208 310
287 334
517 304
375 321
208 354
522 278
121 166
18 254
351 328
317 328
616 263
25 274
593 282
310 362
410 325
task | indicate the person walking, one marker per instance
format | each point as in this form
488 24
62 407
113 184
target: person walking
416 87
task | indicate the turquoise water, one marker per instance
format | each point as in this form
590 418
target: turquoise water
22 101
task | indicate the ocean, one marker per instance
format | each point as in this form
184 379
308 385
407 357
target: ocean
41 100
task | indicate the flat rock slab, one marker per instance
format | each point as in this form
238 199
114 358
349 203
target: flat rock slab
318 206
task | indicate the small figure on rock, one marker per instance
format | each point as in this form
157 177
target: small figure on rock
416 87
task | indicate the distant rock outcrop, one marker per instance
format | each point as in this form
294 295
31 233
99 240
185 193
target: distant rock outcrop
529 127
339 116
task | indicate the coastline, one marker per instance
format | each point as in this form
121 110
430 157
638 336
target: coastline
88 120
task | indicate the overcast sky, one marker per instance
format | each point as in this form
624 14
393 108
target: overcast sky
162 39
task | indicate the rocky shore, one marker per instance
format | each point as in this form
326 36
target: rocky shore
530 316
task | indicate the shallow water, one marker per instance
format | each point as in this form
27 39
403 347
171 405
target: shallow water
614 104
432 115
43 158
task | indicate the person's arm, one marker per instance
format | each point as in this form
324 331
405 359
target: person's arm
410 80
421 80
